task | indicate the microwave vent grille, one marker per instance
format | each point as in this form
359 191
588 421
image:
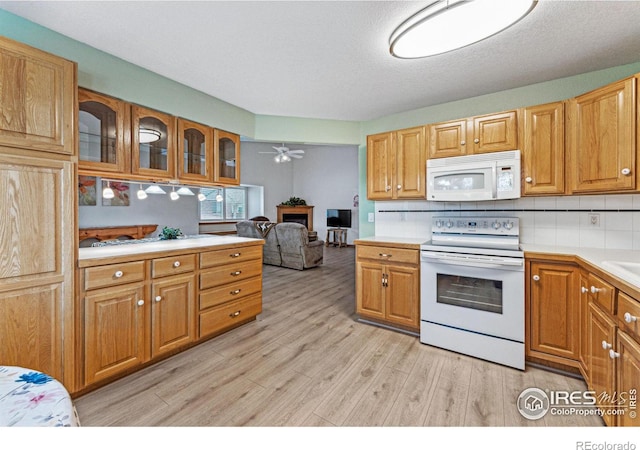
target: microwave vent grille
454 160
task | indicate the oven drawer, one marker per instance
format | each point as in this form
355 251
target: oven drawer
388 254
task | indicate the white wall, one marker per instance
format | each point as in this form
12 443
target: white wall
561 221
326 177
155 209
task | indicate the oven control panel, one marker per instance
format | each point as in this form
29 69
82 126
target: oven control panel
507 226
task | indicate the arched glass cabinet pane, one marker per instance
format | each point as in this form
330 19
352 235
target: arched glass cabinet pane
195 152
101 133
227 154
153 143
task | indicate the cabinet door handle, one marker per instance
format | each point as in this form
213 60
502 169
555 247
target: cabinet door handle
625 171
584 290
387 189
140 302
236 292
528 179
606 345
477 141
536 278
118 274
234 255
595 290
463 142
399 187
158 298
629 318
613 355
234 314
176 264
236 273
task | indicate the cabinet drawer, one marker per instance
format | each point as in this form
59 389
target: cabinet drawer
228 292
113 274
602 293
219 257
230 273
226 316
388 254
630 308
171 265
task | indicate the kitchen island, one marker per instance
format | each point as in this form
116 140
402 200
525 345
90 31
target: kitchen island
140 302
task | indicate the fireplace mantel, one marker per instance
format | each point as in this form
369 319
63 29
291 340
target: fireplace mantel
284 211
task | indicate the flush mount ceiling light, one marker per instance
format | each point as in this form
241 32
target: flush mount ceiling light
447 25
147 135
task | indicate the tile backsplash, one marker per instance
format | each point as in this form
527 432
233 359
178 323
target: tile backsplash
563 221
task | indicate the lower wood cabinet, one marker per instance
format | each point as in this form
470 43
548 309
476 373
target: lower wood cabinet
137 311
554 320
388 285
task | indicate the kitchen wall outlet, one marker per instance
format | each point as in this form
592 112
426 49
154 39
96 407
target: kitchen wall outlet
371 217
594 219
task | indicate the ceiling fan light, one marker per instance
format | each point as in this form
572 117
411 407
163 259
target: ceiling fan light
147 135
278 158
286 158
447 25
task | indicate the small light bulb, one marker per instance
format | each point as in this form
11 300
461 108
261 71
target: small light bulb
174 195
219 198
108 192
201 197
141 193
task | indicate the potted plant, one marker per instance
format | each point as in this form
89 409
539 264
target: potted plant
294 201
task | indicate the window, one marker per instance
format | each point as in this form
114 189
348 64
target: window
223 204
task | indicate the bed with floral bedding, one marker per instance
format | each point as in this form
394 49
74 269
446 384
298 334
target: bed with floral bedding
33 399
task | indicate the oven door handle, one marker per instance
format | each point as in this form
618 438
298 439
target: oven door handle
472 262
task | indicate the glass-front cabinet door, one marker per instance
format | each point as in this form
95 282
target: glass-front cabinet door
227 158
152 144
102 125
195 151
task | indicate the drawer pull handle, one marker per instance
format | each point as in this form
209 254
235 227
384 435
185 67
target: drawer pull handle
234 255
236 273
118 274
176 264
595 290
606 345
236 292
528 179
626 171
140 302
158 298
234 314
584 290
613 355
385 255
629 318
536 278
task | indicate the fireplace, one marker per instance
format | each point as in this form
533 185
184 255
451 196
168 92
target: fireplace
298 214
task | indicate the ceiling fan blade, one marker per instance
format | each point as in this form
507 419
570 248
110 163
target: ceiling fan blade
296 151
272 153
293 155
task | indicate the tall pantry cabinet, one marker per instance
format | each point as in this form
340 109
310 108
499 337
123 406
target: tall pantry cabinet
37 209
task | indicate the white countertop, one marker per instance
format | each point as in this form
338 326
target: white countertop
159 246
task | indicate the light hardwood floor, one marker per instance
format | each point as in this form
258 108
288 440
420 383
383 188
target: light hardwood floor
306 361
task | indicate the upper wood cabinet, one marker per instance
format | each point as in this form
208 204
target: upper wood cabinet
104 138
227 158
38 92
602 139
153 144
480 134
542 145
195 152
396 165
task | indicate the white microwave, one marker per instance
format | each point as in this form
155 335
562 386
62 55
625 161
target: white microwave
487 176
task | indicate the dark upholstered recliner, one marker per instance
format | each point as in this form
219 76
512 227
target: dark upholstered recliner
286 244
262 230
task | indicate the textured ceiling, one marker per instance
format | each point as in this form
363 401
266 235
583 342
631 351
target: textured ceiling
330 59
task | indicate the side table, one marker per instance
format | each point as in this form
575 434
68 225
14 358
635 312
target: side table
339 237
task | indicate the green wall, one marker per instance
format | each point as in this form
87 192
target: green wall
106 73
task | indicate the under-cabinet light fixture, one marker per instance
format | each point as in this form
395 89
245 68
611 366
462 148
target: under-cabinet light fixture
154 189
447 25
107 192
173 194
141 193
185 191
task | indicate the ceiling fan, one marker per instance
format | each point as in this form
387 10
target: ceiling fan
284 154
